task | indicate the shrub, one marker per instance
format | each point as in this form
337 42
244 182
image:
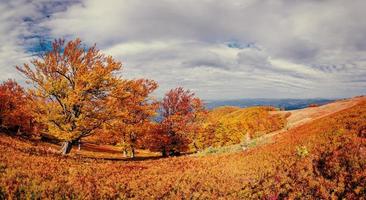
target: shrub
302 151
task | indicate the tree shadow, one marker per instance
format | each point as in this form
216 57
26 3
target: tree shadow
145 158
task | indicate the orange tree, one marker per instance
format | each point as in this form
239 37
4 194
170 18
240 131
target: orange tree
180 114
72 87
198 133
15 108
134 109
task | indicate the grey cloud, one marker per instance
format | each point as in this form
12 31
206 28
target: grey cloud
206 59
302 48
253 58
299 51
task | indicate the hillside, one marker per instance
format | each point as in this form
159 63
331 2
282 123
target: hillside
301 116
289 166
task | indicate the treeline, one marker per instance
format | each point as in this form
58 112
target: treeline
79 92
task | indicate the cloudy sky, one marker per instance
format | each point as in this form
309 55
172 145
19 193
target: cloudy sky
219 49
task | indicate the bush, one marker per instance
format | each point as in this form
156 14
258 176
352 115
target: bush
302 151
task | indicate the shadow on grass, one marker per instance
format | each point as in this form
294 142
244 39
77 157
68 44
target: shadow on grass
137 158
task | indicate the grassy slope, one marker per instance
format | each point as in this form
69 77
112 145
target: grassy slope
26 169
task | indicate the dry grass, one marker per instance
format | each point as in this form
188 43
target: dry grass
34 170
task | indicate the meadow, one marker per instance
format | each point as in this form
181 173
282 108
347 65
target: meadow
296 164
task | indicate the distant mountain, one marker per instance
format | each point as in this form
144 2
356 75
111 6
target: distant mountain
287 104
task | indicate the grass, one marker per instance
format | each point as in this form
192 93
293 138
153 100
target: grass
35 170
235 148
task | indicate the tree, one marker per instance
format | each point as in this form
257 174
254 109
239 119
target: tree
15 108
179 111
134 109
198 133
71 90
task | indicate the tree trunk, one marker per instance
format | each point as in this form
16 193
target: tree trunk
195 147
66 147
125 153
163 152
79 144
132 152
18 131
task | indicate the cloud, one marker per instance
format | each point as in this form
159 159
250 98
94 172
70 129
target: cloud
11 27
220 49
20 30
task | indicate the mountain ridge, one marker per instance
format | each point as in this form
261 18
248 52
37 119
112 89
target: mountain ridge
285 103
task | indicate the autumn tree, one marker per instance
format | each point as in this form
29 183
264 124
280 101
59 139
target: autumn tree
15 108
71 90
134 108
198 133
179 111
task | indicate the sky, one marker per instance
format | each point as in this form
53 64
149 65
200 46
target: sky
218 49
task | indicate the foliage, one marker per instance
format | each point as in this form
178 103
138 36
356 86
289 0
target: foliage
15 109
71 88
232 125
182 116
77 93
134 109
302 151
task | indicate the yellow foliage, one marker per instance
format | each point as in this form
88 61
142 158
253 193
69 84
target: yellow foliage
232 125
71 89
